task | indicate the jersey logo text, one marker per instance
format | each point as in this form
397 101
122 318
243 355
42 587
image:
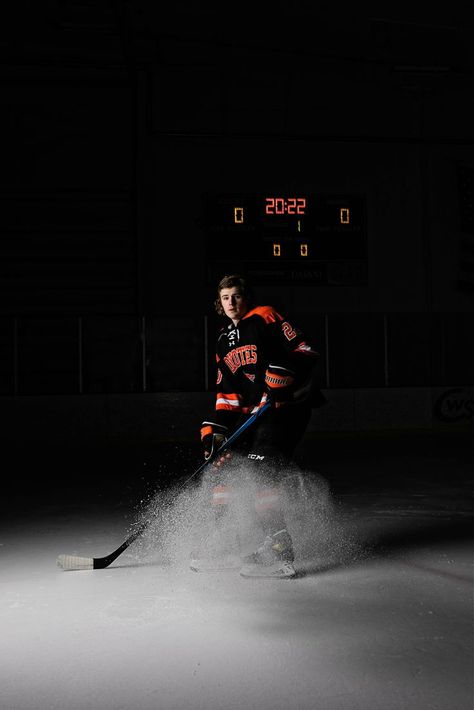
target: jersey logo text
244 355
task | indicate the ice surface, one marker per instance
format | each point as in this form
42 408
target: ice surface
181 519
381 616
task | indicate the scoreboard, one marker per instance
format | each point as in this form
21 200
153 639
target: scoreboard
310 239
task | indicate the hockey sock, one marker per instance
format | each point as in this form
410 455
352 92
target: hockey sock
272 521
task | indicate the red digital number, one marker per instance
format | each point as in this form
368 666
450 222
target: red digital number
270 206
291 205
301 205
279 205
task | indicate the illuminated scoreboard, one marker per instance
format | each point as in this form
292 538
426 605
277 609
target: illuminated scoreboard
313 239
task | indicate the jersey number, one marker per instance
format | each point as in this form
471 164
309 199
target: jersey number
288 330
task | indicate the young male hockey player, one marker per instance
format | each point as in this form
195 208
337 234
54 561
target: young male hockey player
261 356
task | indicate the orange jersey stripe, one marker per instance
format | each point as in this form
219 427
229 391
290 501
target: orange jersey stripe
221 495
226 400
267 499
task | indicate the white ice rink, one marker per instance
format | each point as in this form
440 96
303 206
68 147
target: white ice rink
384 626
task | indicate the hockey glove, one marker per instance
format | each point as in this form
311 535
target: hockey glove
279 382
212 437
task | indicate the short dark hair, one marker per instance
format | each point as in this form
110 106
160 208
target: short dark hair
231 281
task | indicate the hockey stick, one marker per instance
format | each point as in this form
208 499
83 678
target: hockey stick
73 562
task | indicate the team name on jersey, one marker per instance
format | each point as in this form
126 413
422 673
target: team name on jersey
244 355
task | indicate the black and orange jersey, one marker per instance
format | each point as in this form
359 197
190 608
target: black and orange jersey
263 337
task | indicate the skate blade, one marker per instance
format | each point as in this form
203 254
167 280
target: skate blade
279 570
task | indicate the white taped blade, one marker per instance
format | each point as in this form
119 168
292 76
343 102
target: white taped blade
74 562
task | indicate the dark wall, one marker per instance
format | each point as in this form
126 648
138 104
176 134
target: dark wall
413 227
115 121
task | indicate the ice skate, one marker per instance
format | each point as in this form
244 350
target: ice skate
274 558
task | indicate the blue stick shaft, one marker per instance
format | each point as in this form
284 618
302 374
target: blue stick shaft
232 438
101 562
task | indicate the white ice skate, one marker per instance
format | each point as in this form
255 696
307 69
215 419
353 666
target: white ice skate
273 559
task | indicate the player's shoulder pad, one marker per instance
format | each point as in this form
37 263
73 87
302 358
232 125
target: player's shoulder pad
267 313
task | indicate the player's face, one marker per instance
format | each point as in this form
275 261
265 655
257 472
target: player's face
233 303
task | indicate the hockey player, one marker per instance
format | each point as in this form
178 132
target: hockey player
260 356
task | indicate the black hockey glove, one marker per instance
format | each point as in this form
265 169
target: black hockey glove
279 382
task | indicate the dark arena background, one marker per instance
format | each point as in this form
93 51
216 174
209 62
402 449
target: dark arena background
327 154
